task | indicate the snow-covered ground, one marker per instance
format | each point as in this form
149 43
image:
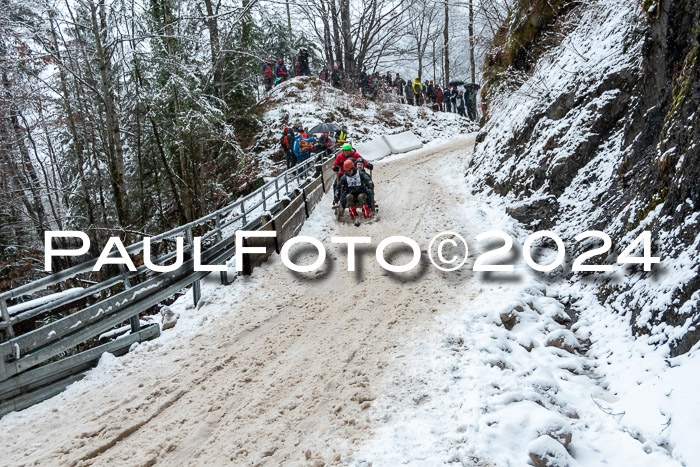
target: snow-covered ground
309 101
476 393
339 367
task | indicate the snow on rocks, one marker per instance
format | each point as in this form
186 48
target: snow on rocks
545 451
562 339
169 318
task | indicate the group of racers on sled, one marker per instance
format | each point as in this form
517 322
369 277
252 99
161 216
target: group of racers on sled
353 187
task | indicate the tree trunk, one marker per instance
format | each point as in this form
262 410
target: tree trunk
434 63
213 27
348 50
114 151
446 36
289 33
184 170
327 39
78 147
471 40
336 36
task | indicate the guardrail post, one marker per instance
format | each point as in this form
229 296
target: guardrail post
196 286
9 333
245 221
264 199
277 189
223 275
135 321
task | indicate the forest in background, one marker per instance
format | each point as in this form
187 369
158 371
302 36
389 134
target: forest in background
126 118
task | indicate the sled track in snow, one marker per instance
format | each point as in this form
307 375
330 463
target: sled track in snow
281 367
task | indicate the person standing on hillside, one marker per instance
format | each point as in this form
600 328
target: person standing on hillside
375 85
287 142
325 74
430 92
399 84
461 104
418 91
408 90
447 97
303 60
281 71
268 75
440 96
453 97
364 82
335 77
467 102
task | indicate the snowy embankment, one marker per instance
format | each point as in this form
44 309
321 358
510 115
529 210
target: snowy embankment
309 101
528 367
542 355
572 149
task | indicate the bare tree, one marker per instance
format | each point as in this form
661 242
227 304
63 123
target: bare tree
423 28
446 43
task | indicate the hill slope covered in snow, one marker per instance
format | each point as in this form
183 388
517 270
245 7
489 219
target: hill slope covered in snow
309 101
593 125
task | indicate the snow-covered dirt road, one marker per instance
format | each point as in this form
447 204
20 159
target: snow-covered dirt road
280 367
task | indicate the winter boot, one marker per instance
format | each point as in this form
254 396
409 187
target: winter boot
353 212
366 211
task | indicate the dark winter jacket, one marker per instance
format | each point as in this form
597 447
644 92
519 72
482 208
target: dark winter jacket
364 79
399 84
408 89
335 78
287 140
354 184
303 63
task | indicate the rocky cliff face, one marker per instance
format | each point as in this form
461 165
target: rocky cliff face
593 123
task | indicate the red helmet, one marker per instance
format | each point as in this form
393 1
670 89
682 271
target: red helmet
335 67
280 61
348 165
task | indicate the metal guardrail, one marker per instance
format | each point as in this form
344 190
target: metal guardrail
21 355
